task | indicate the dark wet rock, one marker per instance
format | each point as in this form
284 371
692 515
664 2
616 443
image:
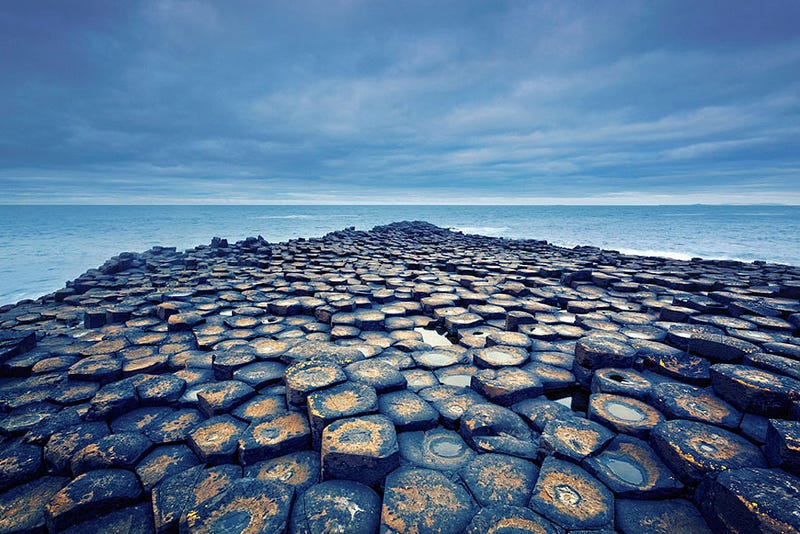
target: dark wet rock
304 377
63 444
363 449
626 382
19 463
507 385
630 468
439 449
274 436
137 519
91 494
491 428
187 490
260 407
112 400
407 411
216 439
172 426
509 519
692 449
782 446
573 438
498 479
162 462
421 500
673 362
750 500
122 450
221 397
345 400
246 505
571 498
754 390
662 517
22 508
720 348
540 411
684 401
299 470
336 506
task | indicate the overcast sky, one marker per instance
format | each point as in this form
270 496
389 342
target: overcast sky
189 101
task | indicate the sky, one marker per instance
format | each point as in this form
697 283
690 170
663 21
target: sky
350 102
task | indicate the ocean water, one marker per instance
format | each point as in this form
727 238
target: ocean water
41 247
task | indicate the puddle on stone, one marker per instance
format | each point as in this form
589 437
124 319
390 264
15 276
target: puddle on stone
623 412
565 401
433 338
461 380
438 359
566 495
706 448
626 471
446 448
226 313
501 357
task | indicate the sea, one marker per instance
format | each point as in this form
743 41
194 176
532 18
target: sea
41 247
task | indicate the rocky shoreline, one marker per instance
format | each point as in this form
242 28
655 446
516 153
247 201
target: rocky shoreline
405 379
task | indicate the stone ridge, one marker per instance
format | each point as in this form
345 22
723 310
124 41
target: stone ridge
409 378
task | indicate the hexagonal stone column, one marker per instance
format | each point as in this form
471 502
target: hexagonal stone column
363 449
337 506
421 500
345 400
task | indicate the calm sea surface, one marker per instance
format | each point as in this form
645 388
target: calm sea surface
41 247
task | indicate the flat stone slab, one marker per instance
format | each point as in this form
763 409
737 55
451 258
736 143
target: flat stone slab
631 469
337 402
663 517
684 401
275 436
336 506
623 414
363 449
573 438
301 470
216 439
439 448
491 428
692 449
91 494
506 386
407 411
572 498
751 500
422 500
22 508
510 519
304 377
754 390
247 505
498 479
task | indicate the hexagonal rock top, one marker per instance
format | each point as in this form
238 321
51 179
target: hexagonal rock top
363 449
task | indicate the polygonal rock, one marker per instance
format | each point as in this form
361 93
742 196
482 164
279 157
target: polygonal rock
622 414
19 463
421 500
491 428
407 411
117 450
383 377
221 397
508 519
345 400
304 377
162 462
439 449
753 390
92 493
498 479
683 401
661 517
691 449
247 505
215 440
363 449
499 356
336 506
300 470
275 436
571 498
506 386
22 508
782 446
630 468
63 444
573 438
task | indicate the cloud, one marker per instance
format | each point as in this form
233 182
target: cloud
182 101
